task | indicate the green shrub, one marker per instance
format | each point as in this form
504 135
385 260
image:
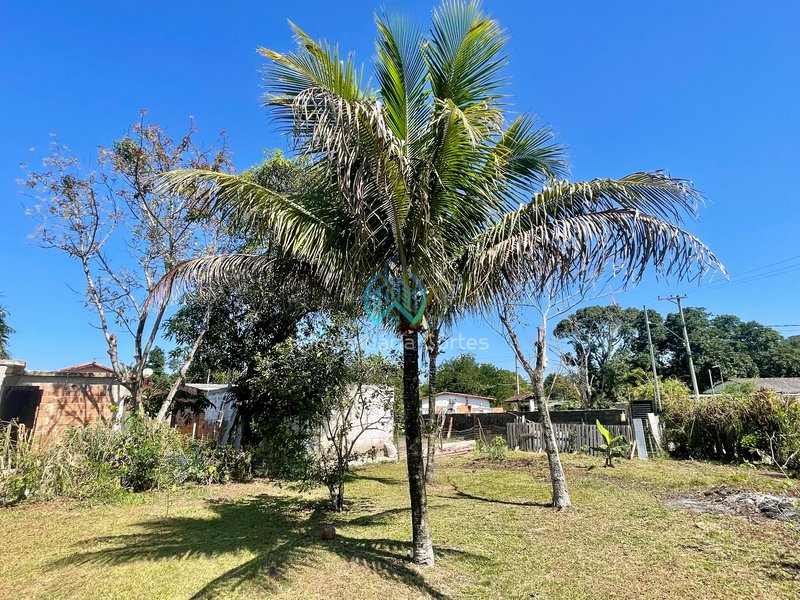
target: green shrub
99 464
20 468
496 449
228 464
736 425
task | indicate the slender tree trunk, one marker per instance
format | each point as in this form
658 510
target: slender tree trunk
422 551
433 418
557 478
166 405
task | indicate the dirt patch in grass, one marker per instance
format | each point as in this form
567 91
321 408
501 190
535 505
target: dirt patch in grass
726 501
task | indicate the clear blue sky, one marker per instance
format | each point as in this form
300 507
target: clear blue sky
707 90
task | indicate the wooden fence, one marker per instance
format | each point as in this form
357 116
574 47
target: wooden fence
570 437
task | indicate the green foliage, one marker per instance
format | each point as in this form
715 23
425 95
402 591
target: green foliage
735 426
613 446
227 464
311 400
496 449
99 464
609 354
5 333
640 386
563 389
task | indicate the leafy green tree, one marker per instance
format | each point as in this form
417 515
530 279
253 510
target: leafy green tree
5 333
466 375
600 340
562 389
311 398
713 346
430 176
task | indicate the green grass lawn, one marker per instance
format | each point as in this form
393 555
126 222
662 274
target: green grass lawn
494 539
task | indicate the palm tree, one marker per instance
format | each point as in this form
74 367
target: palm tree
5 333
429 173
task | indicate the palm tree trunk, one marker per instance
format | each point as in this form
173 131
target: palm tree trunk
422 550
433 426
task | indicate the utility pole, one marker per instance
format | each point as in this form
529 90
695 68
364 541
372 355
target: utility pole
653 361
516 371
677 300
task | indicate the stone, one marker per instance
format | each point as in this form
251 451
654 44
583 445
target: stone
390 449
328 532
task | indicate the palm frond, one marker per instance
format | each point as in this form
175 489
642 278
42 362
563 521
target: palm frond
231 270
313 64
255 210
401 72
465 54
577 232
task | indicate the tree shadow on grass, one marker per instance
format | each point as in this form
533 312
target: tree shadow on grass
784 569
282 533
462 495
384 480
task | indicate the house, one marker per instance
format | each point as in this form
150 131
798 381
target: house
523 402
787 386
526 402
49 402
212 422
454 402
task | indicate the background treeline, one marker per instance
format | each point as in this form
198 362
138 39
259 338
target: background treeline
605 350
605 356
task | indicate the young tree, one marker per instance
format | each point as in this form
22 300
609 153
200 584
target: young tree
357 408
550 302
126 235
430 179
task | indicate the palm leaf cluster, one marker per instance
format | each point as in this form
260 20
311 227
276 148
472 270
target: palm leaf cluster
424 165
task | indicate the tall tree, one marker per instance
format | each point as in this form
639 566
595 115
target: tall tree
597 335
126 234
429 180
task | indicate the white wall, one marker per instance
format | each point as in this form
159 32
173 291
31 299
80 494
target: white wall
370 419
447 402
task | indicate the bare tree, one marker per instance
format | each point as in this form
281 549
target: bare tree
126 235
550 303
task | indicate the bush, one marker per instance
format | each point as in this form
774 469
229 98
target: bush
228 464
736 425
98 464
496 449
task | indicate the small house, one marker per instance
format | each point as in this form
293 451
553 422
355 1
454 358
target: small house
455 402
49 402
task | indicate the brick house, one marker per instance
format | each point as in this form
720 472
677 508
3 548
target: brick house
48 402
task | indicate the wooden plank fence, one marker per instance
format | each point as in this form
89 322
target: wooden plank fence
570 437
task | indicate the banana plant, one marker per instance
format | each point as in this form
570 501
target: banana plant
614 446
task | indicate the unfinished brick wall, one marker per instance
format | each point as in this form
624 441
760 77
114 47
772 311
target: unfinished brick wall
66 405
